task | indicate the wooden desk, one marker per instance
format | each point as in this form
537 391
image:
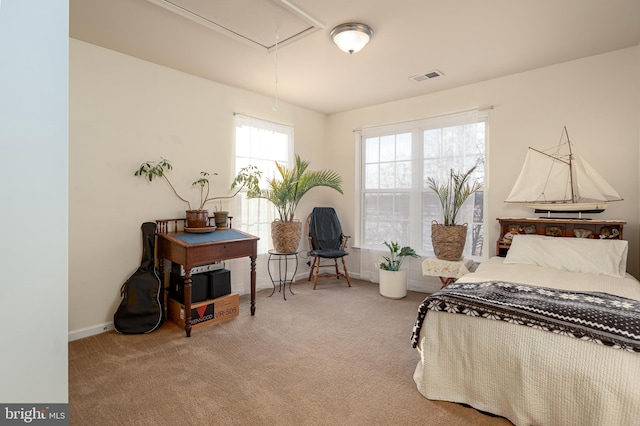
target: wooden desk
191 250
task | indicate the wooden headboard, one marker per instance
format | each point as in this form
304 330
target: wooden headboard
583 228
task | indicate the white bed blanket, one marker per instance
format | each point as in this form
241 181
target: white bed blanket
530 376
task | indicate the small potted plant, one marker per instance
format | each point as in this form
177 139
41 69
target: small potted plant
448 238
247 177
393 280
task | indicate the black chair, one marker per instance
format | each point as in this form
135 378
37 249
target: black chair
326 243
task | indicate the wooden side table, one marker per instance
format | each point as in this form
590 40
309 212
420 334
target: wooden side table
447 270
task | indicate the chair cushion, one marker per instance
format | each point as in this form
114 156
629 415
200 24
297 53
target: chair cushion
329 253
324 229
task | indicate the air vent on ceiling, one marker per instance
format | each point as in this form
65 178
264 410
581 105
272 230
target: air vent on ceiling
427 76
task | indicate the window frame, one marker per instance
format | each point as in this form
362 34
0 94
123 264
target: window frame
418 190
246 208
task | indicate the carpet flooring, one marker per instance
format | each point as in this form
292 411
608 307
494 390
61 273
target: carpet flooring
333 356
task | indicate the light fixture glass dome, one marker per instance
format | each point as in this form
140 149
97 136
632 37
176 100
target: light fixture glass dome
351 37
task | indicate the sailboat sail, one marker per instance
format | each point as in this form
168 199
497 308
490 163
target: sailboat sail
561 180
591 185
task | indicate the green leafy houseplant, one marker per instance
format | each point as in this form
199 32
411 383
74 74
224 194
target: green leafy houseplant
293 183
285 192
453 193
393 262
247 177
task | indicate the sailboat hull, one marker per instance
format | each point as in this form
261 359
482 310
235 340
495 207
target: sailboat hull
568 207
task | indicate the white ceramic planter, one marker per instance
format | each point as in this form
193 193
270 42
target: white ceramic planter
393 284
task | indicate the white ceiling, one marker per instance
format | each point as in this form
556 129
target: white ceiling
467 40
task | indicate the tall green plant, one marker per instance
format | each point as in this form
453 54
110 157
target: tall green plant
247 177
453 193
293 183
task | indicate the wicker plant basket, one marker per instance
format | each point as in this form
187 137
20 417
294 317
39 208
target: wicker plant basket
448 241
286 235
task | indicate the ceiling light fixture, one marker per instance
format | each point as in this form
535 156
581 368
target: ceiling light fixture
351 37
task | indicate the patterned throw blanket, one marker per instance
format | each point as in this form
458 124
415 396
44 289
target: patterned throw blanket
601 318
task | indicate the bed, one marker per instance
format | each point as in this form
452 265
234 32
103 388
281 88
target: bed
522 368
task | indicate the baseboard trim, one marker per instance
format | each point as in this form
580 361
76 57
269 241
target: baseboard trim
108 326
90 331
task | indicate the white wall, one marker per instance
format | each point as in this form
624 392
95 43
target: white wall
638 112
595 97
33 187
124 111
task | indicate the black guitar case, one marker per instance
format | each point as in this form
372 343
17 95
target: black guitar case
142 307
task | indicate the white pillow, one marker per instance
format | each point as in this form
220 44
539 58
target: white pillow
603 257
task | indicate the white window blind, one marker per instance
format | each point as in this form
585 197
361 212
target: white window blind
260 143
396 203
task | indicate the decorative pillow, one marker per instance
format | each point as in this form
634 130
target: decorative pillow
603 257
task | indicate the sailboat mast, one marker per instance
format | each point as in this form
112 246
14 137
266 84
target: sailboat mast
573 195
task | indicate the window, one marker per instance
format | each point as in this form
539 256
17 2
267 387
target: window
262 144
397 204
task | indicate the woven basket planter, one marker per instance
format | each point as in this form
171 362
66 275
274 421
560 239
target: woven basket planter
448 241
286 235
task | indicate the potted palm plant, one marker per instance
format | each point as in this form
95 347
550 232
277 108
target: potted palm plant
393 280
247 177
449 238
285 192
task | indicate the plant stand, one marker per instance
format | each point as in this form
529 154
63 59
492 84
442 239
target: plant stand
282 261
393 284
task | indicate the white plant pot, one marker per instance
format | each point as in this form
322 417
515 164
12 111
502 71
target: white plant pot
393 284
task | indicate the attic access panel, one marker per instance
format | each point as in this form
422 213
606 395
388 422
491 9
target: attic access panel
253 22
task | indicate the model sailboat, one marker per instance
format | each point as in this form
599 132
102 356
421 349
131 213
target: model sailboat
560 180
